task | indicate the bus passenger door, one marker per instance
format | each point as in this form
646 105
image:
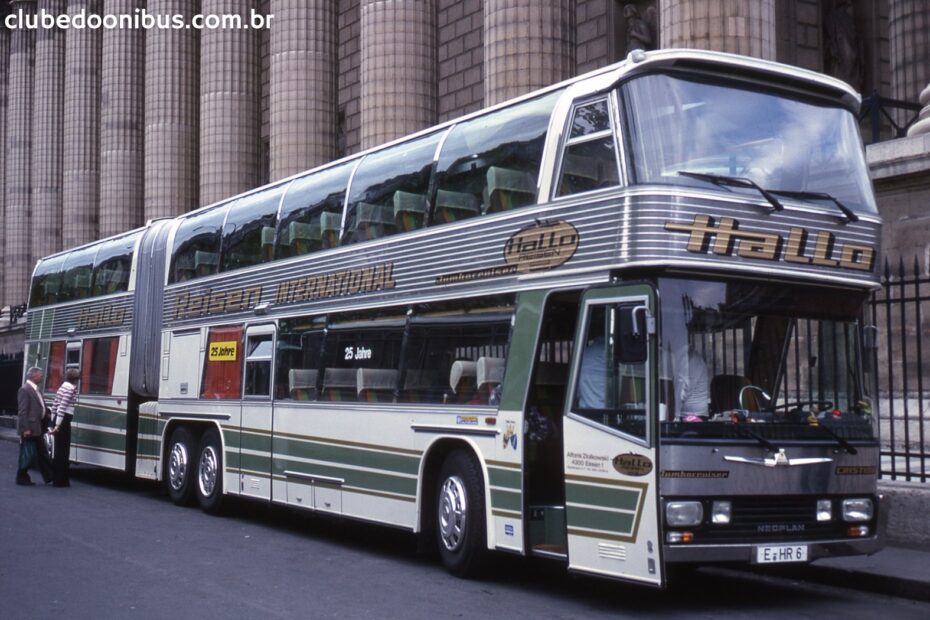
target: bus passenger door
257 411
610 444
73 360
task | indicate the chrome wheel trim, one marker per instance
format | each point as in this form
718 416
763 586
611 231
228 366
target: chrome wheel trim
208 471
453 513
177 466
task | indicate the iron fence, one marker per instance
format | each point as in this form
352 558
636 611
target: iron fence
900 311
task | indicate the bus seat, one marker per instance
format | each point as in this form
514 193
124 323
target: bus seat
509 189
184 268
205 263
82 285
267 243
454 206
330 228
463 379
373 221
300 237
376 385
490 373
301 383
421 386
340 384
409 211
724 392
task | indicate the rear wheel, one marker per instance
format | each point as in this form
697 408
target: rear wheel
179 469
460 515
209 487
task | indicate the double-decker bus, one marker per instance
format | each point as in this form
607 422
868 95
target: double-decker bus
615 322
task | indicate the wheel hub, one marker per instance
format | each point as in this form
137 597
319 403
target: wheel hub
208 471
453 510
177 466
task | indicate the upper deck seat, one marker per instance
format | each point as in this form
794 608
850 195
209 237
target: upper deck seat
463 381
205 263
409 211
340 384
373 221
330 228
301 383
454 206
376 385
301 237
184 268
509 189
267 243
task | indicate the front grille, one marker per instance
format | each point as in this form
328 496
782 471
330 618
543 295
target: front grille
771 519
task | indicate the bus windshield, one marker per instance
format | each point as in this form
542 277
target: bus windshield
783 361
779 141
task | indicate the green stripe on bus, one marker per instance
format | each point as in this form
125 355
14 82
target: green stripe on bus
85 414
504 478
232 460
352 477
623 499
592 518
255 462
255 441
346 456
99 439
148 447
506 500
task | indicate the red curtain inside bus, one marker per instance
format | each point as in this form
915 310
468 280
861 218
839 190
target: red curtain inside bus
56 366
222 377
98 365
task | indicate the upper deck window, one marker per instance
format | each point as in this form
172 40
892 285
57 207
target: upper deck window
590 160
491 163
112 266
311 216
390 191
46 283
197 245
778 140
77 275
248 236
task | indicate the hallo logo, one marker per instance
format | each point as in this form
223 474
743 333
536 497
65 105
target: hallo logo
726 238
631 464
541 246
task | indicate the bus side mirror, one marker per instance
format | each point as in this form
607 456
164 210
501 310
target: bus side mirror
633 323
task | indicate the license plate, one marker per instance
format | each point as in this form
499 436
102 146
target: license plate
776 554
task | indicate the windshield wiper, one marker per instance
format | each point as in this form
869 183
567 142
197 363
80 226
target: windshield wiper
762 440
850 216
719 179
843 443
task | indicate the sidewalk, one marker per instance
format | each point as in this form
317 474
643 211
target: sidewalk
894 571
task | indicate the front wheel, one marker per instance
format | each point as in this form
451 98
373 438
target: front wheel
460 526
209 486
179 469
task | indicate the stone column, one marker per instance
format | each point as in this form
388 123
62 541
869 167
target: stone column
47 135
17 255
739 26
81 186
909 34
5 59
398 69
122 123
303 85
528 44
172 112
230 92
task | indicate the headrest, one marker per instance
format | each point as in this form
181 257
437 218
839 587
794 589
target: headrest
301 378
376 379
339 378
461 368
490 370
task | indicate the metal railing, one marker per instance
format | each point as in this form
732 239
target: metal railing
876 108
899 310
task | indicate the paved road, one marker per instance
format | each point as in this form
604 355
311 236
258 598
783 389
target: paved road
106 548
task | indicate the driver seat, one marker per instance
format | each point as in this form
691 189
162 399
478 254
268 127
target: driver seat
724 393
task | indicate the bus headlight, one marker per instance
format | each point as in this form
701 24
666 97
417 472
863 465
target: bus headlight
720 514
858 509
824 510
684 513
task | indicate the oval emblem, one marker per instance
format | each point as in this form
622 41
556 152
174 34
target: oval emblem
541 246
632 464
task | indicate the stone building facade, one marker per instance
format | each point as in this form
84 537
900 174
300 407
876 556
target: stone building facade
104 129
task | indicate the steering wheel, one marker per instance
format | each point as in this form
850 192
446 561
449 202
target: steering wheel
823 404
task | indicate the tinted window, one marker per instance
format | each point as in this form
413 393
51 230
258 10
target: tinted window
46 282
259 349
361 361
389 192
112 266
311 216
589 161
455 360
248 236
77 277
300 343
223 370
99 365
197 245
491 163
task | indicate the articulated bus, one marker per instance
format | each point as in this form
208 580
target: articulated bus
615 322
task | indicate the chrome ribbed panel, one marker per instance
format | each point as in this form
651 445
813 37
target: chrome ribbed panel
622 230
98 317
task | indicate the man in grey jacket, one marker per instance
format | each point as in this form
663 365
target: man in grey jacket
29 425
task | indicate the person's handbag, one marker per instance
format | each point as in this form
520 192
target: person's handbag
27 454
49 439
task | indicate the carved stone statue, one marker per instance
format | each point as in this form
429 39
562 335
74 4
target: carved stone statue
640 29
842 48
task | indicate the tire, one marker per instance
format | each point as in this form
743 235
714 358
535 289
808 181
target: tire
209 483
460 515
179 467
